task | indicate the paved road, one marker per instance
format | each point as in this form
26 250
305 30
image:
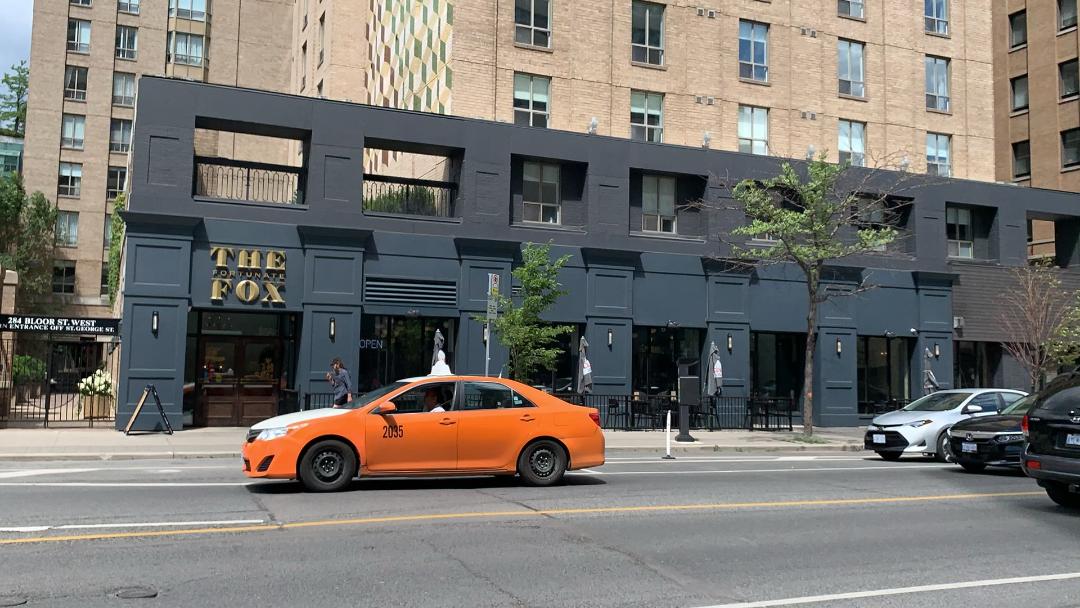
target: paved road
698 531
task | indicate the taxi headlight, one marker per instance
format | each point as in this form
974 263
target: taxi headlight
274 433
919 423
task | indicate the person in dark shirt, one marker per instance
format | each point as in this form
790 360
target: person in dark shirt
340 381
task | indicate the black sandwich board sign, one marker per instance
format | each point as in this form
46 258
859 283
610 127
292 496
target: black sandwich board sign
148 391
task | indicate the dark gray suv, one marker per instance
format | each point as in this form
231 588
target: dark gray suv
1052 427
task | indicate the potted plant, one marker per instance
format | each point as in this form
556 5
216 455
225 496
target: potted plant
26 373
96 395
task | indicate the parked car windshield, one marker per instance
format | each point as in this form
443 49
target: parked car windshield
1020 407
937 402
374 395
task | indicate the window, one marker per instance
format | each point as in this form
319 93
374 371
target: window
104 278
63 278
540 193
79 2
883 372
1066 14
114 184
647 33
937 154
1070 148
754 51
753 130
1019 86
123 92
776 364
490 396
657 203
322 36
1017 29
303 66
852 144
531 100
75 83
1021 159
937 16
128 6
78 37
185 49
647 116
989 402
937 83
426 397
107 232
959 233
656 353
532 22
188 9
67 229
850 69
850 8
1069 78
120 135
304 10
73 130
126 42
70 180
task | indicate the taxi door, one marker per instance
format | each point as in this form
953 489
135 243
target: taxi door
413 439
495 422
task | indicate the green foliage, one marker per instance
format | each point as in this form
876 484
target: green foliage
13 100
116 246
27 226
531 341
416 200
1042 319
27 370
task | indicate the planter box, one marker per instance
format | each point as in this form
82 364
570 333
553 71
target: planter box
96 406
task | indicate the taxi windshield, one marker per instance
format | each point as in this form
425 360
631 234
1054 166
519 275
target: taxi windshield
374 395
1019 408
937 402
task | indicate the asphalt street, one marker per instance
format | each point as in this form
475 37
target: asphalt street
837 530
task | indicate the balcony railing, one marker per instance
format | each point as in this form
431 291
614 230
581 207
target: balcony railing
248 181
399 195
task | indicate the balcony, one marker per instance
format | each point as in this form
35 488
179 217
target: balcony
237 180
406 196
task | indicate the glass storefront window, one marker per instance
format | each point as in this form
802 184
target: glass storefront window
658 352
776 364
883 370
975 363
392 348
562 379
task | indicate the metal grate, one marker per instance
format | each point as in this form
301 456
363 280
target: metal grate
410 291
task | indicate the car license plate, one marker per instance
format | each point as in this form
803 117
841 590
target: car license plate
1072 440
879 438
969 447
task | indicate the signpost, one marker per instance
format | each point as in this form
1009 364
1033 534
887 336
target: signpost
492 314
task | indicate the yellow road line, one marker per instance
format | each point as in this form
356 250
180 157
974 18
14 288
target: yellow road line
517 513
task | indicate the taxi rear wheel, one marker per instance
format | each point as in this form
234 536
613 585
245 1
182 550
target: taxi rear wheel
542 463
327 466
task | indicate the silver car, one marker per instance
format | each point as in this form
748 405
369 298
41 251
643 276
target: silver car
920 428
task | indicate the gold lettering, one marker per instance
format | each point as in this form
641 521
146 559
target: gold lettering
247 290
219 288
250 259
273 296
275 260
221 255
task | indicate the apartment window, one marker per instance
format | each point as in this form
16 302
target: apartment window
79 2
1066 14
852 144
1021 159
937 83
322 37
120 135
185 49
657 203
75 83
104 278
1070 148
850 8
114 184
1069 78
123 93
850 69
937 16
304 10
647 116
72 131
647 33
937 154
67 229
303 66
531 100
959 233
754 51
194 10
63 279
1018 29
127 39
107 233
540 193
69 182
753 130
319 89
78 37
532 22
128 6
1019 86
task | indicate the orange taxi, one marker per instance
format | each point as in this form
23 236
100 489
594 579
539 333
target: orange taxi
435 425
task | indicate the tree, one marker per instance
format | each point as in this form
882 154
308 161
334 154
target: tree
531 341
812 218
1042 321
27 225
13 101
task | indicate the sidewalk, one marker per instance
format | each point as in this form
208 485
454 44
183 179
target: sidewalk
107 444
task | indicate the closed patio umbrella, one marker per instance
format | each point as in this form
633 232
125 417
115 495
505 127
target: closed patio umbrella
714 376
584 384
439 342
930 383
438 358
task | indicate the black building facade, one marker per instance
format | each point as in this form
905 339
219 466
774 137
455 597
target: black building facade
238 293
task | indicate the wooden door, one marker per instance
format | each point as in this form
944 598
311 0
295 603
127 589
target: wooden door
217 379
260 381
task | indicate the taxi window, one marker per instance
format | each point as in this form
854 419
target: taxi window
490 396
425 398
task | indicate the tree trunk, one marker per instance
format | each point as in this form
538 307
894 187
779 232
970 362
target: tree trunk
808 368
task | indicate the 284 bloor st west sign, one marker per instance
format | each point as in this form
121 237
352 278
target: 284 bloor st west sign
61 325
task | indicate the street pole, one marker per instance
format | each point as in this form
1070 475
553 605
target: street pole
487 347
492 314
667 438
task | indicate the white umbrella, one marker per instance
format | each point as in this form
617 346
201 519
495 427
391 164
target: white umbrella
584 385
714 379
438 358
930 383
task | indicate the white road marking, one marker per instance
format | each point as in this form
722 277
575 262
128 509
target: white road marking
786 458
789 470
36 472
591 471
121 484
153 524
814 599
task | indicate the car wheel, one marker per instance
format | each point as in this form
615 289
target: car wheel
943 453
542 463
1060 494
327 466
973 467
890 456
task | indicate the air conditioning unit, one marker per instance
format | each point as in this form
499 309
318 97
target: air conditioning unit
958 322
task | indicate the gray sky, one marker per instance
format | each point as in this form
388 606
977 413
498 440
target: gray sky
15 18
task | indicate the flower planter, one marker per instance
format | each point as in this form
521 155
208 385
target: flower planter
96 406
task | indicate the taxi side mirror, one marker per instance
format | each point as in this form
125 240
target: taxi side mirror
386 408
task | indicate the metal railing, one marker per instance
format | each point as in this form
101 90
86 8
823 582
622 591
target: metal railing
875 408
404 196
314 401
248 181
714 413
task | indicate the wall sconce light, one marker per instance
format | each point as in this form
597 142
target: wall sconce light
610 337
730 343
839 347
937 350
154 323
333 328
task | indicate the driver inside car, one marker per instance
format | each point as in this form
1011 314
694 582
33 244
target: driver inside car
433 401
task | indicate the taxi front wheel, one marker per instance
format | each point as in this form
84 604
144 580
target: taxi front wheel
542 463
327 466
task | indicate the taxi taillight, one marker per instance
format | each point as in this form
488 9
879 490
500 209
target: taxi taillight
1024 425
595 416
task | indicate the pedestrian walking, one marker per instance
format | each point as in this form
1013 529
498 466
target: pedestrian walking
340 381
